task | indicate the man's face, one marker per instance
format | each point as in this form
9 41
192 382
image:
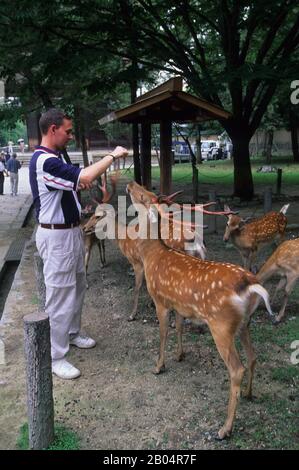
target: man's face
63 134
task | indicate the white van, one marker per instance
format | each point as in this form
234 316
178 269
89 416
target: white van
209 149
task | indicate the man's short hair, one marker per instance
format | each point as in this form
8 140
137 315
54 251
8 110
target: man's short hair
50 117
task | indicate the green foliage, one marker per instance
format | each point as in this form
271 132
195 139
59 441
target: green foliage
64 439
12 131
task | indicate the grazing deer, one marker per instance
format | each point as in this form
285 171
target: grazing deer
249 238
222 295
284 262
129 245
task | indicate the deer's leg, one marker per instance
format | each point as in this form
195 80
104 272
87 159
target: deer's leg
139 272
224 339
244 257
288 288
280 285
162 314
251 359
251 259
179 330
101 246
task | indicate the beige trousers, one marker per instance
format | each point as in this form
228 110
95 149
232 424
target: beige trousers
62 252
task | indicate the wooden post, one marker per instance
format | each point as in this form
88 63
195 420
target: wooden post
146 155
267 199
212 225
136 157
278 183
165 156
39 381
40 283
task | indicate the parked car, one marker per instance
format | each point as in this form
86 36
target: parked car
212 150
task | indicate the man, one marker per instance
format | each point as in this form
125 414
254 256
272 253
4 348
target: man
2 171
59 238
13 165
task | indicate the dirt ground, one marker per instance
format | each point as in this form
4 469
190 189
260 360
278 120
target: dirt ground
118 403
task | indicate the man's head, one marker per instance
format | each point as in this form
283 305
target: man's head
14 155
56 128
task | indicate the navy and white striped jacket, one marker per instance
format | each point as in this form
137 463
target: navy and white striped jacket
53 185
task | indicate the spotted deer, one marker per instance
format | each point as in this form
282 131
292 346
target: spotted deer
248 238
285 263
87 226
222 295
129 245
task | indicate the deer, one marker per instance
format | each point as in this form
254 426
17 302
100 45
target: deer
249 237
285 263
129 245
90 238
222 295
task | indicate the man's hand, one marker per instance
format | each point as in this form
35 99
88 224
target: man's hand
82 186
119 152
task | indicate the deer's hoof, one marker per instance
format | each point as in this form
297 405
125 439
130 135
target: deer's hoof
131 318
159 370
247 395
180 357
222 434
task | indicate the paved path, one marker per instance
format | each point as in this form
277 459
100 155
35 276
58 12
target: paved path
13 212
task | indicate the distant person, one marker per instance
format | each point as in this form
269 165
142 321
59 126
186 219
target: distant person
7 155
10 148
21 143
13 165
2 172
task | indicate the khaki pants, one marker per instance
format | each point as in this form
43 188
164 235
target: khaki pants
62 252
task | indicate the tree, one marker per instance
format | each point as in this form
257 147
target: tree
234 53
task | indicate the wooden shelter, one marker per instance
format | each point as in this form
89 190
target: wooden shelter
164 104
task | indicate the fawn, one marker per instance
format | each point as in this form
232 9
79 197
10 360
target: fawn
222 295
249 238
284 262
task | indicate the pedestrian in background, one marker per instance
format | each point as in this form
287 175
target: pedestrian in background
13 165
2 172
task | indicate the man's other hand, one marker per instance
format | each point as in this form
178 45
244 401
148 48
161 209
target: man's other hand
120 152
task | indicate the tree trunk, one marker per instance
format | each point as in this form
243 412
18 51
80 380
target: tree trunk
269 144
243 182
294 135
198 145
135 134
83 138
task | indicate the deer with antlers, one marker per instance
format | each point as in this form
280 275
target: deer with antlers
129 245
222 295
285 263
248 238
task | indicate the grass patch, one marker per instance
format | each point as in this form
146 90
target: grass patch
285 374
64 439
281 335
274 427
222 171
